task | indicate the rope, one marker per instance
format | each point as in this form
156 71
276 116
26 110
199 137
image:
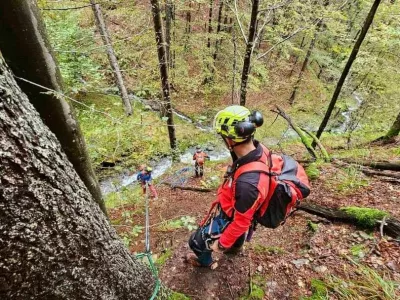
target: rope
147 251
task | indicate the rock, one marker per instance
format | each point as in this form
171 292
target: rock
320 269
300 262
259 268
271 285
366 236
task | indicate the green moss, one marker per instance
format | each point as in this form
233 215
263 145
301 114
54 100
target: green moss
366 217
319 289
312 226
177 296
358 250
312 171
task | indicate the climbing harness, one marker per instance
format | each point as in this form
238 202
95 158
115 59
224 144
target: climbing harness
147 253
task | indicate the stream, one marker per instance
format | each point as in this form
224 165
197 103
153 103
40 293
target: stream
160 166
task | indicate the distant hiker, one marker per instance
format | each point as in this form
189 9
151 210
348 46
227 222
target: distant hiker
145 179
199 157
244 198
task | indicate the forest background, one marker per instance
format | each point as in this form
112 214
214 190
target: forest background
297 58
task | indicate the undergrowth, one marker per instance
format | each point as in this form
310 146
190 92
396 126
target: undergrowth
369 284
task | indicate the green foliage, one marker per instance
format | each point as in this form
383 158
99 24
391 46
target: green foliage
73 46
183 222
351 178
366 217
368 285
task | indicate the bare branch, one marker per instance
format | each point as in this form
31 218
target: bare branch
279 5
235 11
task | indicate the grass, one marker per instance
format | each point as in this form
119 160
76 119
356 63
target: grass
164 256
368 285
349 179
130 141
125 196
256 289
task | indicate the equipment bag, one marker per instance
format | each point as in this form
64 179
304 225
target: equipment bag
288 185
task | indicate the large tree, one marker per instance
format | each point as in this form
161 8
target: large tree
349 63
249 51
163 65
112 58
25 47
55 242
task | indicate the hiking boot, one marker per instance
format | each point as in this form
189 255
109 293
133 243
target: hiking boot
192 259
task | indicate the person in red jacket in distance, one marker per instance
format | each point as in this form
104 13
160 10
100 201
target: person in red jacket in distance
230 217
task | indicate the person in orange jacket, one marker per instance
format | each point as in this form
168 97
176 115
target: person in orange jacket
199 157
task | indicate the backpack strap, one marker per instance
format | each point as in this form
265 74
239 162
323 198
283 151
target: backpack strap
254 166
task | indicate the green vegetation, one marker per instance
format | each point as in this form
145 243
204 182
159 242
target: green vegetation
349 179
163 257
366 217
177 296
358 250
256 289
125 196
368 285
129 141
313 227
183 222
270 250
312 171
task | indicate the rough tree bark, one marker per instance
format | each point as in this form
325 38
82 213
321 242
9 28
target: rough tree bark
162 59
105 36
55 242
25 47
346 69
249 50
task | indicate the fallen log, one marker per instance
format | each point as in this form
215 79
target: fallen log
380 173
382 165
391 226
189 188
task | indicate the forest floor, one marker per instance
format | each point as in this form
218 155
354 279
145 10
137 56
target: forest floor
281 263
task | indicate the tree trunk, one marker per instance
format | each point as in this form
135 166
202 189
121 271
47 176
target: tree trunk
381 165
394 130
168 21
297 57
55 242
105 36
305 64
392 226
25 47
346 69
188 27
155 10
210 13
218 41
249 50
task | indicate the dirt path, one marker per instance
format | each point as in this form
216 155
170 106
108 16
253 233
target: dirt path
281 262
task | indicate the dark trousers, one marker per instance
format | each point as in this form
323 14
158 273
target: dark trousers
198 169
200 239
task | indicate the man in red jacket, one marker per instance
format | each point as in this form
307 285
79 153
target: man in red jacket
225 227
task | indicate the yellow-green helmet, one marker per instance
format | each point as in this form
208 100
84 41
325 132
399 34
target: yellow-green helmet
237 123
